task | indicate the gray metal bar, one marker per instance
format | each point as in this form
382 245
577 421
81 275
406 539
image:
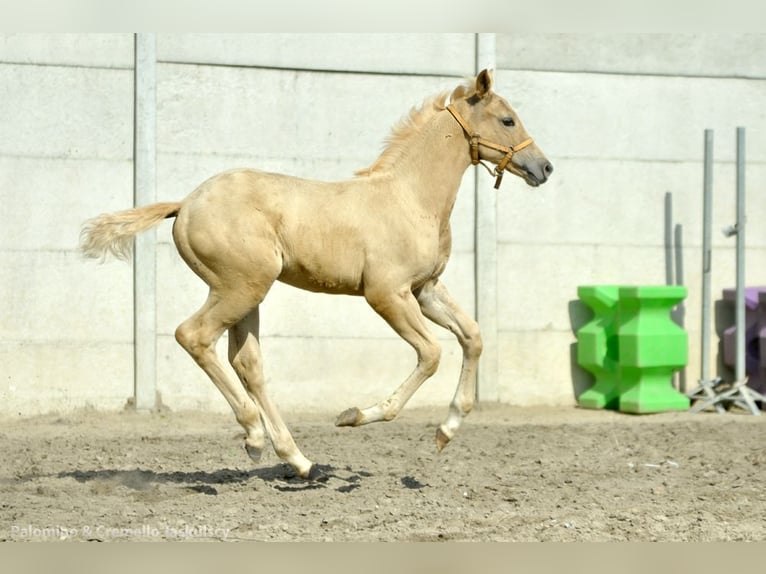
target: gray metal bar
144 192
740 375
669 279
740 298
707 210
679 313
706 383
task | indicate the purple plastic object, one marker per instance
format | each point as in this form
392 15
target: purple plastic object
755 336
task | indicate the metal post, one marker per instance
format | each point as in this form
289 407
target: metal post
740 299
707 210
740 376
485 258
144 192
669 279
706 383
680 312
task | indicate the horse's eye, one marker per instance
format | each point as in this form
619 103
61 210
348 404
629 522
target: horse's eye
508 122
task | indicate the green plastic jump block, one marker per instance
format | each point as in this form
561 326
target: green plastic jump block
597 347
632 347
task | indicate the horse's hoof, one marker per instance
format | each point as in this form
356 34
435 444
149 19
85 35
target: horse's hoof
441 439
253 452
349 418
316 475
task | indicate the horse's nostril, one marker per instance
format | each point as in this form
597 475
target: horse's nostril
548 168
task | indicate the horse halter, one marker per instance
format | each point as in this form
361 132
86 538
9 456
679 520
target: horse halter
476 140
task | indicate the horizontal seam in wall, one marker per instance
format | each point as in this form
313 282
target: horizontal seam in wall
78 343
651 160
334 159
635 74
686 246
311 70
61 157
64 65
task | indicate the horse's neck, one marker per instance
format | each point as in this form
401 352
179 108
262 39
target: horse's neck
434 163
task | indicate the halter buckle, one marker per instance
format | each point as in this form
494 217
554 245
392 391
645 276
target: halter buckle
475 138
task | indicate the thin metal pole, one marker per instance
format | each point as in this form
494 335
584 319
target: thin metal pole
144 192
741 376
707 210
740 302
680 312
485 256
669 279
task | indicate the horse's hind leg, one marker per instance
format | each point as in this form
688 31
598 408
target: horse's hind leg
255 439
198 335
439 306
245 357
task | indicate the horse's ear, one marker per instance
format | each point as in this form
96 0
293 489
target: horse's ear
483 83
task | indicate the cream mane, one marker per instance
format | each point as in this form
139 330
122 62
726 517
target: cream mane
411 124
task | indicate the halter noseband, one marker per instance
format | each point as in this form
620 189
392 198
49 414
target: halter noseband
476 141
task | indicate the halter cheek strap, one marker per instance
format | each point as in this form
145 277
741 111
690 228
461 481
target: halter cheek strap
476 140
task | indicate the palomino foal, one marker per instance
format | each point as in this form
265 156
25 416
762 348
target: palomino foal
383 235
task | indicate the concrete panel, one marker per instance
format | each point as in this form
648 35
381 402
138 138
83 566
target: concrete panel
650 118
623 202
725 55
537 282
66 112
46 200
41 378
57 297
431 54
275 114
89 50
534 368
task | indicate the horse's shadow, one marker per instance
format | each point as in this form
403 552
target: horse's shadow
282 475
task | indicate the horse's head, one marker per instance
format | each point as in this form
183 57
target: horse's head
496 134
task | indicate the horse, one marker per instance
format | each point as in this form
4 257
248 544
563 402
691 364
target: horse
383 234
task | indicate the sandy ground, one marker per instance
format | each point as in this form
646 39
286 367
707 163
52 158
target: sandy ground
512 474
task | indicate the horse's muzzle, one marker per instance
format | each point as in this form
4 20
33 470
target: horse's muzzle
537 171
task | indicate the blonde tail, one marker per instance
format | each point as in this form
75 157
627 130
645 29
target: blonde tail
113 232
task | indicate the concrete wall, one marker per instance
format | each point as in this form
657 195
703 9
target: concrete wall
66 110
621 118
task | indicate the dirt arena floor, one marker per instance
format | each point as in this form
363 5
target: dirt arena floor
512 474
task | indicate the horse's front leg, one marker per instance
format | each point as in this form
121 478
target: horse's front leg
401 310
439 306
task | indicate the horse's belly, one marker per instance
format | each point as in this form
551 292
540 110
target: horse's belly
313 276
